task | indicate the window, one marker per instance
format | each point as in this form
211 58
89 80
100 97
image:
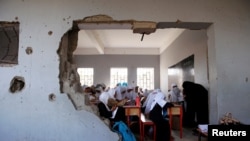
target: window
118 75
86 76
145 78
9 41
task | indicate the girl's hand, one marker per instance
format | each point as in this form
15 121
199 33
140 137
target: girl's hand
113 108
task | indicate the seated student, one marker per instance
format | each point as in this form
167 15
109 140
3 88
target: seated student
120 95
108 107
100 87
94 92
98 90
145 96
130 95
175 96
90 96
158 114
148 102
139 91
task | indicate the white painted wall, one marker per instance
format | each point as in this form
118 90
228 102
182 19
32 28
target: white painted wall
191 42
29 115
103 63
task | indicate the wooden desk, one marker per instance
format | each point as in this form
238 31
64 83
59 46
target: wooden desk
177 110
132 110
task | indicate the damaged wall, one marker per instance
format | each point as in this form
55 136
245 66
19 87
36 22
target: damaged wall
29 115
68 77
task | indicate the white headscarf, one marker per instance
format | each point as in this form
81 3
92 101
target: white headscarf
150 98
105 96
112 92
131 94
173 85
175 93
98 90
119 91
104 99
160 99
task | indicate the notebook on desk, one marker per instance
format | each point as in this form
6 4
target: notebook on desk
203 128
130 103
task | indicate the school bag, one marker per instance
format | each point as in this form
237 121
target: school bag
121 128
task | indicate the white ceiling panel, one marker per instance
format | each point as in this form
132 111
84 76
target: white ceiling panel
124 41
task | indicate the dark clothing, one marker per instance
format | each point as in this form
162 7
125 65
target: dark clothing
196 97
162 123
202 102
120 114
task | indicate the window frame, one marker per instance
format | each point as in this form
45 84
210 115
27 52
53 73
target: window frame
82 80
9 42
150 85
114 82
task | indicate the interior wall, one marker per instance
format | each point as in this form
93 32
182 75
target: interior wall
189 43
103 63
182 71
43 23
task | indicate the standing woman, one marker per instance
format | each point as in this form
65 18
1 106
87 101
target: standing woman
158 114
196 97
191 104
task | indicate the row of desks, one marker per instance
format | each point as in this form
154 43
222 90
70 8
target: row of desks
133 110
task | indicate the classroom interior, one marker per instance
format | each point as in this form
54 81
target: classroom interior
181 69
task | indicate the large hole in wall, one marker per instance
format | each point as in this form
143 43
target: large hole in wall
17 84
69 77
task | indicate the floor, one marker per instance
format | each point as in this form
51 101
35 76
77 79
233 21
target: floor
187 136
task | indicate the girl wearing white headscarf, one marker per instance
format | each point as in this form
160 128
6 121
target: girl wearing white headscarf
149 100
175 94
120 92
108 107
158 109
130 93
119 95
112 93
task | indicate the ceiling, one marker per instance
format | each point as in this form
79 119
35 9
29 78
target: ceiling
124 41
100 34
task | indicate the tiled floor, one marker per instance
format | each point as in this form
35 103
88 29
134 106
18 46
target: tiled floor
187 136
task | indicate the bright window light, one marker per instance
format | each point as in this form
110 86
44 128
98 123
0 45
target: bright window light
118 75
145 78
86 76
